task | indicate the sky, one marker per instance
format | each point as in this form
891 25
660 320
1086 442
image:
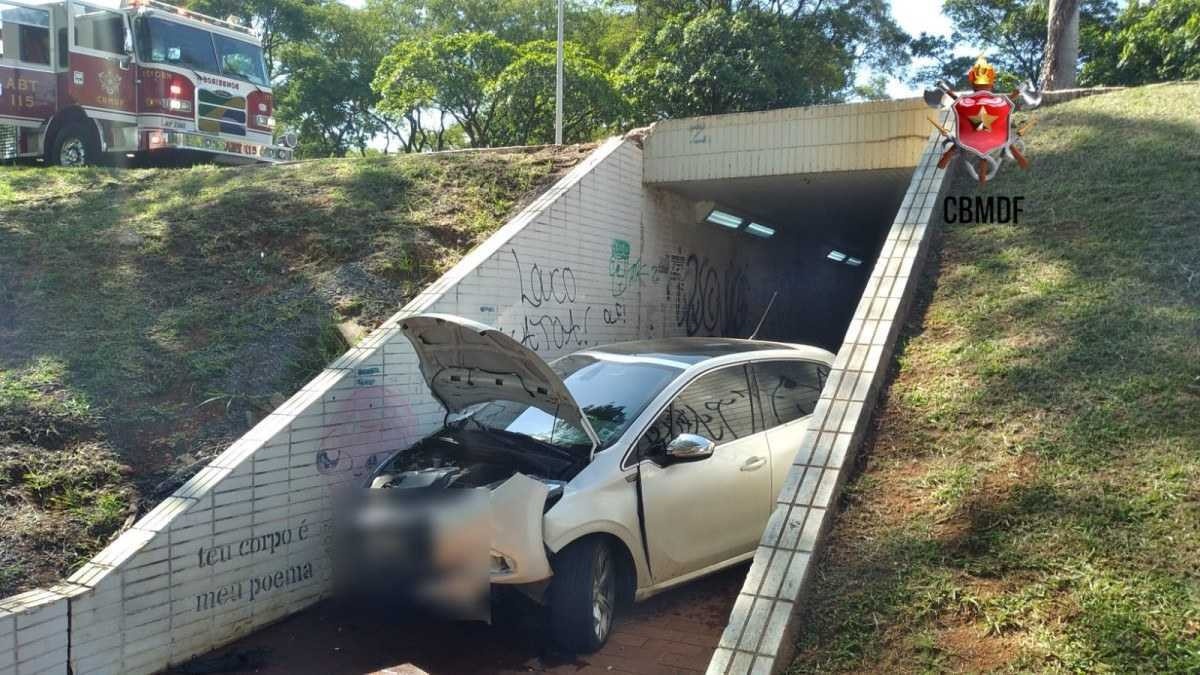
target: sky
915 17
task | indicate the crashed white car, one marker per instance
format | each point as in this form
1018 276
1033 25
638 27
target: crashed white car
615 472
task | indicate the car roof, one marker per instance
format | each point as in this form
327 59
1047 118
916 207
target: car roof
691 350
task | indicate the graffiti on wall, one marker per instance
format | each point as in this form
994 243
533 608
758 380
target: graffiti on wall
552 319
626 272
711 299
707 298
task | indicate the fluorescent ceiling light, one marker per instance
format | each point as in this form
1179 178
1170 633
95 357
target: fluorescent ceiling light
760 230
853 262
836 256
718 217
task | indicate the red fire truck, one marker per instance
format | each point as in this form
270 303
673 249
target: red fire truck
84 79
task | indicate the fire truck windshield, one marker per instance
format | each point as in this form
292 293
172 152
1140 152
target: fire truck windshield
161 41
240 59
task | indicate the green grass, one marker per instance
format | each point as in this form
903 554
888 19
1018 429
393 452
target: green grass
149 317
1031 498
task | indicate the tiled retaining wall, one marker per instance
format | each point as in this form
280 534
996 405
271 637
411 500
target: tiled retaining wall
761 628
595 259
816 139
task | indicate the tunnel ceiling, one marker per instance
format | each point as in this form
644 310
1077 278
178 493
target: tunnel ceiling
846 205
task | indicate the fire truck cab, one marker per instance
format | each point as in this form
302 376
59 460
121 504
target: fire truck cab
80 79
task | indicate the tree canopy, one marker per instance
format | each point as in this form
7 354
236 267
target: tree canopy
1011 32
417 75
498 93
703 58
1152 42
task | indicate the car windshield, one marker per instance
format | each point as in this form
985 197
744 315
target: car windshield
611 393
172 43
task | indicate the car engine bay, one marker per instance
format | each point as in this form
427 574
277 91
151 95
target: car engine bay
464 458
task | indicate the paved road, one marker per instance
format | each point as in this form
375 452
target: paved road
671 633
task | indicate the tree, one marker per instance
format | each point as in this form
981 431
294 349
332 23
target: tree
874 89
942 64
497 92
524 92
1011 32
325 93
700 58
1153 42
452 73
1062 45
604 29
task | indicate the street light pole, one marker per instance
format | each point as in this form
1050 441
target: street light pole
558 81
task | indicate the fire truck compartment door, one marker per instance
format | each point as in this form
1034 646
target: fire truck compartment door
100 72
28 87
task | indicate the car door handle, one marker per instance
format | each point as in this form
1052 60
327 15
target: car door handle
754 463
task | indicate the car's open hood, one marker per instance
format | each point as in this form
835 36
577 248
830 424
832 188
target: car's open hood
465 363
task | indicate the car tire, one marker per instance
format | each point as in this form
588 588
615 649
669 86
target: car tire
583 595
75 145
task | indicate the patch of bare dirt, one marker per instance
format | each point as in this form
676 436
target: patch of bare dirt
970 650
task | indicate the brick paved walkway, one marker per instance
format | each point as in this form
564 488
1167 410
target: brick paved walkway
672 633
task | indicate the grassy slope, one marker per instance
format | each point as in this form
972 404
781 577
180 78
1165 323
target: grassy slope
147 318
1032 497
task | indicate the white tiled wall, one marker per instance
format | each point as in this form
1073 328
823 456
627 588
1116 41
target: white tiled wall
596 259
33 633
817 139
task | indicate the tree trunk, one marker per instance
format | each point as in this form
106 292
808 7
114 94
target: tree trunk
1062 45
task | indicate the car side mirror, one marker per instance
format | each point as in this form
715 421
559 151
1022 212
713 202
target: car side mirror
690 448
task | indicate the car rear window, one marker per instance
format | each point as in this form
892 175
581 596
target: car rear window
789 390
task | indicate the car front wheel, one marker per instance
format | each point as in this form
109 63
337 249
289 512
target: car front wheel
583 595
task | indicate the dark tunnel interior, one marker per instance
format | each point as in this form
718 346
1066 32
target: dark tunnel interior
815 216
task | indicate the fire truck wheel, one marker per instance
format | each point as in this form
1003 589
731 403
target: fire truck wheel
75 145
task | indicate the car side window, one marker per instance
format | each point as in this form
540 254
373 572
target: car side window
717 405
788 390
654 440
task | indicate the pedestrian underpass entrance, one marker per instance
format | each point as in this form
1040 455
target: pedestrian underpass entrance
689 230
813 240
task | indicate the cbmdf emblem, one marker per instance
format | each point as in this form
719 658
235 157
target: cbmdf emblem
982 128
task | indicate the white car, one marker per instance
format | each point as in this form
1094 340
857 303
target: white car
613 473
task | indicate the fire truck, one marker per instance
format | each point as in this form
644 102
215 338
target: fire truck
80 81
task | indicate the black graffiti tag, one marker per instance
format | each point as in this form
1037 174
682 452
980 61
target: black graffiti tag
551 331
615 314
557 285
711 300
